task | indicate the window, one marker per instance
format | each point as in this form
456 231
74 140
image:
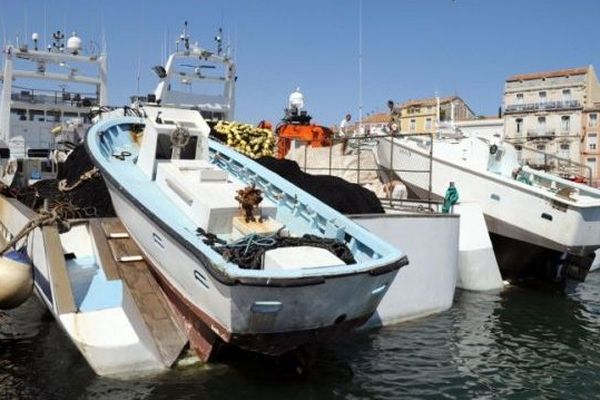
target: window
519 98
592 141
593 120
541 124
18 114
591 162
565 124
541 147
413 124
53 116
566 93
564 150
542 97
519 122
36 115
428 123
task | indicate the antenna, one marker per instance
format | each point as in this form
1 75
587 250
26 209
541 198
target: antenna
360 83
3 32
219 40
103 31
25 21
163 52
185 37
167 45
45 24
57 43
64 23
139 71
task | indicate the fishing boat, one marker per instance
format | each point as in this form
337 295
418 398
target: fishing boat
314 272
533 216
194 77
85 269
47 94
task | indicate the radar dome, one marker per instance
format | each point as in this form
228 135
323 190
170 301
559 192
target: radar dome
296 99
74 44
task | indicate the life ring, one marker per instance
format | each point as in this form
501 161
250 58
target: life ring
493 149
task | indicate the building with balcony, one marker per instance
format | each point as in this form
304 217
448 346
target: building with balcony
544 111
590 152
422 115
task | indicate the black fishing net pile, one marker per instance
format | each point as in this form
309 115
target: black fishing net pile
345 197
88 200
249 252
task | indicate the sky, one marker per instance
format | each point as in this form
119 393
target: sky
410 48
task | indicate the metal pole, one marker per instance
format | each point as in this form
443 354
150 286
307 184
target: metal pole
430 168
305 154
360 83
330 154
391 138
358 162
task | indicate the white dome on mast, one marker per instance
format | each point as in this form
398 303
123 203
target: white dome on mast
296 100
74 44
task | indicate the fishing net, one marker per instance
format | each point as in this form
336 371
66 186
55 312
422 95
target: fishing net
248 252
345 197
88 198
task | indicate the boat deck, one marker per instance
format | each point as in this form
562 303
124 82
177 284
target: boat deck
122 259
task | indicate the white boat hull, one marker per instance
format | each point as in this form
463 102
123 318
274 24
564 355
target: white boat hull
512 209
113 340
426 286
268 319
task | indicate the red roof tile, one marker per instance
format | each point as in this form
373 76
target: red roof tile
548 74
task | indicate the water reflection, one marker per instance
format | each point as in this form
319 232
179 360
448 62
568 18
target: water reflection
519 343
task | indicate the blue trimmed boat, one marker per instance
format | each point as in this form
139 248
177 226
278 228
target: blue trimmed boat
300 273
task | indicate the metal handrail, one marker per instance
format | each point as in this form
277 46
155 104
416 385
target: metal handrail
545 105
550 157
360 140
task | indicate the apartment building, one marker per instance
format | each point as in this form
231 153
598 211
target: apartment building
421 115
590 151
544 111
374 123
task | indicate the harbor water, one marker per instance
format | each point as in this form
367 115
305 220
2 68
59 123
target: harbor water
525 342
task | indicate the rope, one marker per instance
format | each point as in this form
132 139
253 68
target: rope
64 187
45 218
248 251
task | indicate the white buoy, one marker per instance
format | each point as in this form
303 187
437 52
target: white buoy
16 280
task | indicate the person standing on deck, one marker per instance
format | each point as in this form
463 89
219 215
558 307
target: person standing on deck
394 124
344 125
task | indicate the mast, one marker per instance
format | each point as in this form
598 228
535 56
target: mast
7 77
360 83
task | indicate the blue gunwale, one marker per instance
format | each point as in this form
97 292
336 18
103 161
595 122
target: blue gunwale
102 142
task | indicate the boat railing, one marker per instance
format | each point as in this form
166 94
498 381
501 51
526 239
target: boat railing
358 145
55 97
551 163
